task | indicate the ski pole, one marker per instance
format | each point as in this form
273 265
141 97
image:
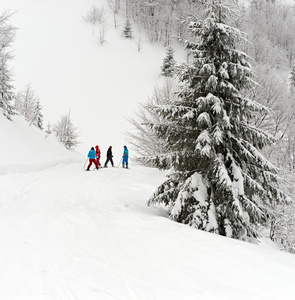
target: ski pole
85 163
120 162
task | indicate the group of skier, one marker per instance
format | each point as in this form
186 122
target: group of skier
94 157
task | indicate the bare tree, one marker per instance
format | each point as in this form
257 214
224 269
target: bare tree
95 16
139 43
282 224
160 17
141 138
273 92
101 34
115 7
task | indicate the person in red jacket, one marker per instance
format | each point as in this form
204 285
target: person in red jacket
97 150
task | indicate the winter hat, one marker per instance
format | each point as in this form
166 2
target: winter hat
92 148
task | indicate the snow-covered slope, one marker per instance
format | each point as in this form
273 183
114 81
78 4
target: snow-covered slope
56 51
70 234
25 147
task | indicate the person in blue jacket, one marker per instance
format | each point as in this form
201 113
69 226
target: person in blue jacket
92 159
125 157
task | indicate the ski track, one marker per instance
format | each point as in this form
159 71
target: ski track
67 234
45 264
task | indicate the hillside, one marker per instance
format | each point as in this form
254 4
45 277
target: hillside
101 85
69 70
70 234
25 148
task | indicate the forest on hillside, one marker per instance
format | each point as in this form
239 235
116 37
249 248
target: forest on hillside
269 28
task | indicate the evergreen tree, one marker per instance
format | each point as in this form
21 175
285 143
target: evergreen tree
6 88
220 181
37 117
7 33
127 30
48 130
168 66
28 105
66 132
292 78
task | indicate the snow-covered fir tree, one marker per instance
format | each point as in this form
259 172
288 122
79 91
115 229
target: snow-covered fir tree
127 29
219 182
37 117
7 34
28 105
168 67
6 88
48 130
292 78
66 132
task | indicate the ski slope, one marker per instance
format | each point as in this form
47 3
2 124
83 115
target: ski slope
70 234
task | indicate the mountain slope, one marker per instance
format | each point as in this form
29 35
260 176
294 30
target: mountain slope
69 70
69 234
25 147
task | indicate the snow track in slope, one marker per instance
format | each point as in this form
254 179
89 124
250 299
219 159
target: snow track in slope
62 225
67 234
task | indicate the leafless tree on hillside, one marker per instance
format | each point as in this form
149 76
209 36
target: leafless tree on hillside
115 7
139 43
95 16
144 142
101 33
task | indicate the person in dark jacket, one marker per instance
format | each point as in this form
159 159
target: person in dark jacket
109 157
92 159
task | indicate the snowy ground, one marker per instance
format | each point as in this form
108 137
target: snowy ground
70 234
